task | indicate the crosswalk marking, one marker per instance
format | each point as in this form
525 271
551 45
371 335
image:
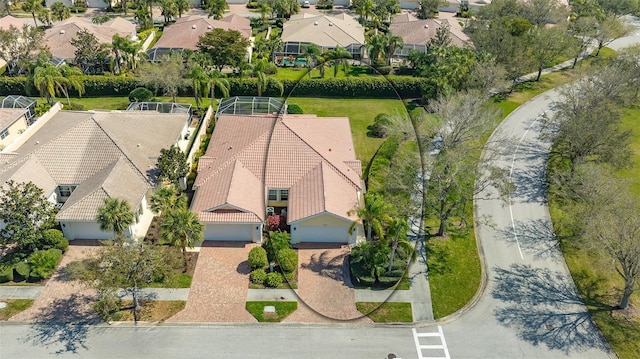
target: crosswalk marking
442 347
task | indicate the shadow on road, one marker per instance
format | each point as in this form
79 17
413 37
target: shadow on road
544 308
62 324
535 237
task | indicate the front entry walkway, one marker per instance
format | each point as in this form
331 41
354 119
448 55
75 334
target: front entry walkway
326 294
219 286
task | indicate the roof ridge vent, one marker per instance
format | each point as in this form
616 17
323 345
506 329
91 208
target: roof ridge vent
193 26
315 23
62 32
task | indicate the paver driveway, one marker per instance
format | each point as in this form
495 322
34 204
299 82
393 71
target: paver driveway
219 286
63 300
324 288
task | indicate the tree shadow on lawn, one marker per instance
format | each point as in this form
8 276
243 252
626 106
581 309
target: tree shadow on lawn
535 237
545 308
63 324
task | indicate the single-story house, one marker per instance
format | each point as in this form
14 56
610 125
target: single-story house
186 31
16 114
326 32
81 158
58 38
301 168
416 34
7 21
99 4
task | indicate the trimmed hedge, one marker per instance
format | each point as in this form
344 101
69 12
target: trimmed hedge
258 276
273 279
257 258
22 270
6 273
348 87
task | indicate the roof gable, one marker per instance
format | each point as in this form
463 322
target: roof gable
322 30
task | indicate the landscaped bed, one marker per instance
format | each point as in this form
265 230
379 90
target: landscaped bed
152 310
14 306
282 310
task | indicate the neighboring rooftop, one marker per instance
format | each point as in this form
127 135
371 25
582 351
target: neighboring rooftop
58 38
322 30
186 31
7 21
414 31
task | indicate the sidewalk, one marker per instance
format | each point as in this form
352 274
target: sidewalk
20 291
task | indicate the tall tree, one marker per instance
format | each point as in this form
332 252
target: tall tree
224 47
546 44
115 215
49 81
374 212
172 165
393 43
166 199
582 29
609 29
311 53
259 72
182 228
60 11
90 54
217 80
26 213
18 45
199 82
128 267
32 7
397 230
166 75
182 6
429 9
377 46
169 10
44 15
338 57
216 8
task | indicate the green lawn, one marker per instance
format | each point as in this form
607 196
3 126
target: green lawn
387 312
291 73
630 121
283 309
14 306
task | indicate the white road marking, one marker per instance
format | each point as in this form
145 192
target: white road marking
513 162
420 347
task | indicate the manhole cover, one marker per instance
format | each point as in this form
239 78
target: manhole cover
3 305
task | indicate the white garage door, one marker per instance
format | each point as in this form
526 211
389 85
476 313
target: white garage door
228 232
85 231
323 234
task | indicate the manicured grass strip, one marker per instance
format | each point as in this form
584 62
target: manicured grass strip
283 309
387 312
152 310
454 271
14 306
630 122
181 280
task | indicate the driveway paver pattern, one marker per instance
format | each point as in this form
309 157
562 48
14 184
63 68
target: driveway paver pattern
326 294
60 299
219 286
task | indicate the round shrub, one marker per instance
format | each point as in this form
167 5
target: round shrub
257 258
21 270
6 273
287 259
44 263
140 94
294 109
383 70
53 238
273 279
258 276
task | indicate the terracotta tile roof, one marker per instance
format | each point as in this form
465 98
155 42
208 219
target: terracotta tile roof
323 30
111 152
10 115
419 32
321 190
186 32
58 38
7 21
230 191
261 152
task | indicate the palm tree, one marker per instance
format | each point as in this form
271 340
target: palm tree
338 56
169 10
393 43
311 53
143 16
217 80
115 215
199 82
216 8
182 228
166 199
259 71
75 79
33 7
182 6
264 9
44 15
365 9
60 11
377 46
48 80
373 214
397 229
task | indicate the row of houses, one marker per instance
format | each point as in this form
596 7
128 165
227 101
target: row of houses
301 168
325 31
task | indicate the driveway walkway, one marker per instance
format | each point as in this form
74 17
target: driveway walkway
325 291
60 299
219 286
